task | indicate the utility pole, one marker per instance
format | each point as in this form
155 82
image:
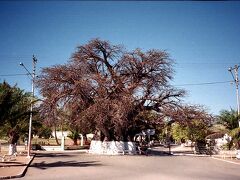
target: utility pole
235 78
33 74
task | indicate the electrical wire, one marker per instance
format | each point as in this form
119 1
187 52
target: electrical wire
205 83
193 84
13 74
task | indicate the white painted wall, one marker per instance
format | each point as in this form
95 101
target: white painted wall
112 147
222 141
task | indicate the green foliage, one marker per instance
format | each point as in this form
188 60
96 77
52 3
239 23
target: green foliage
235 133
218 128
14 107
74 136
161 133
196 130
44 132
145 120
229 119
5 103
229 146
179 132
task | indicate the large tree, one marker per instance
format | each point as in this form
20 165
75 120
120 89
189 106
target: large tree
5 101
14 109
108 88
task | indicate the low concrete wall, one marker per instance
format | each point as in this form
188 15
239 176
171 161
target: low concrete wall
5 148
52 148
112 147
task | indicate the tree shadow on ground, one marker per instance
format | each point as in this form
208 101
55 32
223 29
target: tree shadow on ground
158 153
11 163
43 165
183 152
52 155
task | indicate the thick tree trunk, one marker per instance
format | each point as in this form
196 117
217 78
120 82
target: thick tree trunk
55 134
12 149
13 137
75 141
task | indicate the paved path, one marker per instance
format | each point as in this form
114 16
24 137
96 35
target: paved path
62 166
14 167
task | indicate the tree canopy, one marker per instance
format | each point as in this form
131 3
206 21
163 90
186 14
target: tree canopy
108 88
14 111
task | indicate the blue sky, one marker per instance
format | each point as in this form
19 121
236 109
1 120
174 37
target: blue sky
202 37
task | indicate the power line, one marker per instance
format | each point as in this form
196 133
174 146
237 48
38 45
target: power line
207 63
13 75
190 84
205 83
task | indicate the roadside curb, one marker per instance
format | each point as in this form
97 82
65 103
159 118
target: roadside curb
203 155
194 155
64 151
80 151
24 170
30 161
226 161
